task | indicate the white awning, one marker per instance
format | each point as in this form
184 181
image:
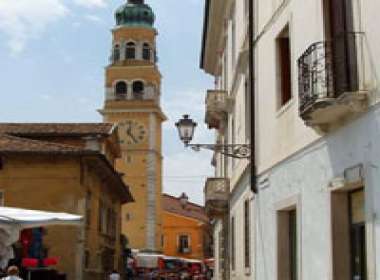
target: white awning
13 220
22 218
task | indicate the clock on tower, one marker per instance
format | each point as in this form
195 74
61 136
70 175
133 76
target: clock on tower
132 100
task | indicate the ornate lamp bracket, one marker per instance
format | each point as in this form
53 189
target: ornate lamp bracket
239 151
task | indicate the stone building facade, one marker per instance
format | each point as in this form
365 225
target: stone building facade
315 215
68 168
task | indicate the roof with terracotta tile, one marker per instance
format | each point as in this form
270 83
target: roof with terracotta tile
173 205
13 144
56 129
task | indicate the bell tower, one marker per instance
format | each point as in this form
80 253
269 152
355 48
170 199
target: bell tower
132 100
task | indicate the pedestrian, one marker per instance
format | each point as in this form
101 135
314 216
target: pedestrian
12 273
114 275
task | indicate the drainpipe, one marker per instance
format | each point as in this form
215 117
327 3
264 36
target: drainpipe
253 101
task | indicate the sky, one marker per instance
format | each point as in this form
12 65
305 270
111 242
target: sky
52 58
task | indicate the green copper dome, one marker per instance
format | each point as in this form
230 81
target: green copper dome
135 13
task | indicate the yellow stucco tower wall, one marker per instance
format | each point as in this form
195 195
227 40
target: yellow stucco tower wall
132 100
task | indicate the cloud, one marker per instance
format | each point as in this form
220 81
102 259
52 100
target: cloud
91 3
94 18
22 20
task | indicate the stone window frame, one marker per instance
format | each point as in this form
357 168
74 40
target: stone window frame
283 207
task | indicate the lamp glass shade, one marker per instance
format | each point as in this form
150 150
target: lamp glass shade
186 128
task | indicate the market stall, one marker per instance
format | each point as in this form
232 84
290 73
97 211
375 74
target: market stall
14 221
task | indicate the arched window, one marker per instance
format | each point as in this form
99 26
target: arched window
138 89
116 53
121 90
146 52
130 51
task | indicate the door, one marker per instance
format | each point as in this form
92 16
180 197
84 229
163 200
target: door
341 44
358 252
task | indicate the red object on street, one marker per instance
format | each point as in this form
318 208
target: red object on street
50 261
26 240
28 262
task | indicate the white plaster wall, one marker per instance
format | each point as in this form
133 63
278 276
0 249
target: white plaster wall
280 131
307 175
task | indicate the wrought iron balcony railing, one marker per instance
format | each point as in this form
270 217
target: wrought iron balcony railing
328 72
218 105
217 191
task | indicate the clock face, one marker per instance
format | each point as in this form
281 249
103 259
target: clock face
134 132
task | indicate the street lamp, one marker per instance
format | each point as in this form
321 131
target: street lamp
186 128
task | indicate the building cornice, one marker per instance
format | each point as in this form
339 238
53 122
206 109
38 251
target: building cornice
122 111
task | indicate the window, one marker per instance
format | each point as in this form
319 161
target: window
102 226
2 199
130 51
233 38
247 233
233 245
116 53
86 259
88 209
287 250
138 89
146 52
233 137
121 90
339 27
284 67
225 72
184 244
247 109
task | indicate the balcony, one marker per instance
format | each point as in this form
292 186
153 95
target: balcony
218 104
217 192
334 81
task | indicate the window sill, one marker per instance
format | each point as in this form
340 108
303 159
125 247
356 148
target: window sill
286 107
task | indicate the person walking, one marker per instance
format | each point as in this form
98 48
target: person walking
12 273
114 275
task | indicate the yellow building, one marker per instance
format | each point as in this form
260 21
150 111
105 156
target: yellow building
68 168
186 229
133 84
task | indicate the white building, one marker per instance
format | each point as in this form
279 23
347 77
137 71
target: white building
317 65
228 195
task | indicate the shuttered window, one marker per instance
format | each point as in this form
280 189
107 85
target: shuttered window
247 234
2 200
233 245
284 66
